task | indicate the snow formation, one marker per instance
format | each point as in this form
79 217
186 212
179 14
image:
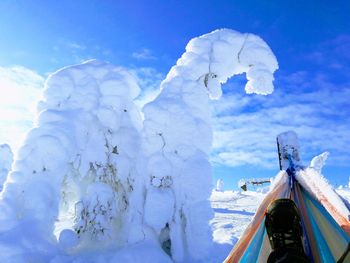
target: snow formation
77 165
92 176
178 134
220 185
6 159
319 161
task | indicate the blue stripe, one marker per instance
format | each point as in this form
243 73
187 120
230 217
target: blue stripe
329 218
307 245
253 250
323 249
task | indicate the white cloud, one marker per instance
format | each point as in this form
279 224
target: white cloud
333 53
74 45
67 44
245 126
67 52
144 54
20 89
149 80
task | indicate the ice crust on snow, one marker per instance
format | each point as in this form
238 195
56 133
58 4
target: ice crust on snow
6 159
91 176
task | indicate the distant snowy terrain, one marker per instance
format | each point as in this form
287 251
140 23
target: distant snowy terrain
233 211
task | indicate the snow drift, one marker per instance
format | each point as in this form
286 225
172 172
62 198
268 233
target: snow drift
91 176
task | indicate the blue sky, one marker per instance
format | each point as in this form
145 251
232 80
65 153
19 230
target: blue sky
311 40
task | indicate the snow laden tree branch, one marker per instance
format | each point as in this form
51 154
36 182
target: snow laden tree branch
92 176
178 134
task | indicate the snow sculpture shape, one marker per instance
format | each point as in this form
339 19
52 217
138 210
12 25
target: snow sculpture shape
319 161
179 135
6 159
77 164
220 185
82 174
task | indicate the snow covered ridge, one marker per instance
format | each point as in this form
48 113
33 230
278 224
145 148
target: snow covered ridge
91 176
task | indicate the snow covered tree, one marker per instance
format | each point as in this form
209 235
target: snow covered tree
179 135
92 173
78 164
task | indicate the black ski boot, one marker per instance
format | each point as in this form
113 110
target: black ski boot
283 226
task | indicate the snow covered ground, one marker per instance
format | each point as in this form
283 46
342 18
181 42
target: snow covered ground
233 212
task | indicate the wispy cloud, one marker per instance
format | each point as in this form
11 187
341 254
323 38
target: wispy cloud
67 44
149 80
74 45
20 89
333 54
69 52
144 54
314 103
245 126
